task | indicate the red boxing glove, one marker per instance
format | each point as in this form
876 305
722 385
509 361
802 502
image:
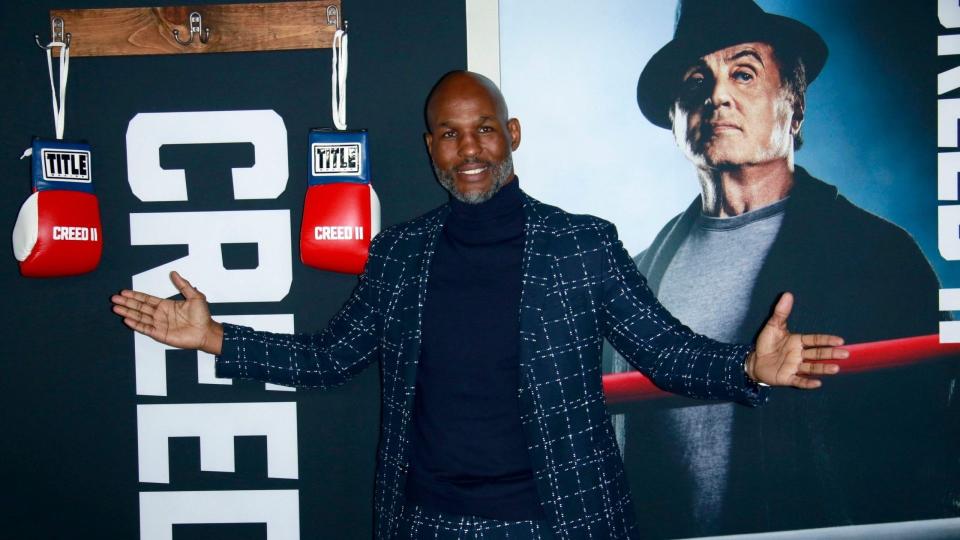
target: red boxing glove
58 231
337 226
341 212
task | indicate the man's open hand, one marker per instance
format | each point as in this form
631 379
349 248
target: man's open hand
185 324
782 358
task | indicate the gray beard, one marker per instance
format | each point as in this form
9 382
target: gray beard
501 173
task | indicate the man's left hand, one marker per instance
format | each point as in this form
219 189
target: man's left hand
783 359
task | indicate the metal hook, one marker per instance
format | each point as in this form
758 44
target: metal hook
333 16
56 32
196 27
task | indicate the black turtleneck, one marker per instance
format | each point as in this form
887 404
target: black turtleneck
468 453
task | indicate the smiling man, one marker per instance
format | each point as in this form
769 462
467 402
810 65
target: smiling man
731 86
488 315
472 171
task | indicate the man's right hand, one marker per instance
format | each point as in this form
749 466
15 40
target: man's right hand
185 324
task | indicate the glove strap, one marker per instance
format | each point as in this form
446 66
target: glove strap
59 105
338 80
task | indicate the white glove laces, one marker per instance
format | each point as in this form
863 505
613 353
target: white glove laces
338 80
59 106
58 98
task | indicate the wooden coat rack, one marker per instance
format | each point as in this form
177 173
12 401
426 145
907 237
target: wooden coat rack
197 29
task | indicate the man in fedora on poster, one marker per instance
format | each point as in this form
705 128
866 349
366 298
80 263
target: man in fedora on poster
731 86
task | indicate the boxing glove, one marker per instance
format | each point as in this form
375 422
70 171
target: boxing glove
341 212
58 231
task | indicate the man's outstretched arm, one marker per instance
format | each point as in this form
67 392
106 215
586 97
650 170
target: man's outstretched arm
681 361
324 359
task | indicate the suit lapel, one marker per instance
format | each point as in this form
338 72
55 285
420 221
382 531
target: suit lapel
535 280
413 326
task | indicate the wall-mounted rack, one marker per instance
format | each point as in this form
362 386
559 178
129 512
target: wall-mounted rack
197 29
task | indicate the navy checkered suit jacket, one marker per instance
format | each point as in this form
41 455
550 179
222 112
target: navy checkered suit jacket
579 286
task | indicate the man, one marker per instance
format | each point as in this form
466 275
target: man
487 315
731 87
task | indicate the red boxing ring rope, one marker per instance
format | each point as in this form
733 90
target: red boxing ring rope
634 386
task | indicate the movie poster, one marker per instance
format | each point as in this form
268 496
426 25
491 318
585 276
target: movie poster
851 232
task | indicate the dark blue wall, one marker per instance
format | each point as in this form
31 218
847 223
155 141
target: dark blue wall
69 457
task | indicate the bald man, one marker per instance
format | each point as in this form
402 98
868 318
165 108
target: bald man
487 316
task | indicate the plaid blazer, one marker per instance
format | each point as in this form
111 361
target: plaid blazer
579 286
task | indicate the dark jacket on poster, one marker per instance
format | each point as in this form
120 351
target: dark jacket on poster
867 447
579 286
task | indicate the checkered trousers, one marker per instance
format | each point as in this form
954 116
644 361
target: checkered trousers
579 286
417 523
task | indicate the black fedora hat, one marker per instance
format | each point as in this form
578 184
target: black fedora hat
705 26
